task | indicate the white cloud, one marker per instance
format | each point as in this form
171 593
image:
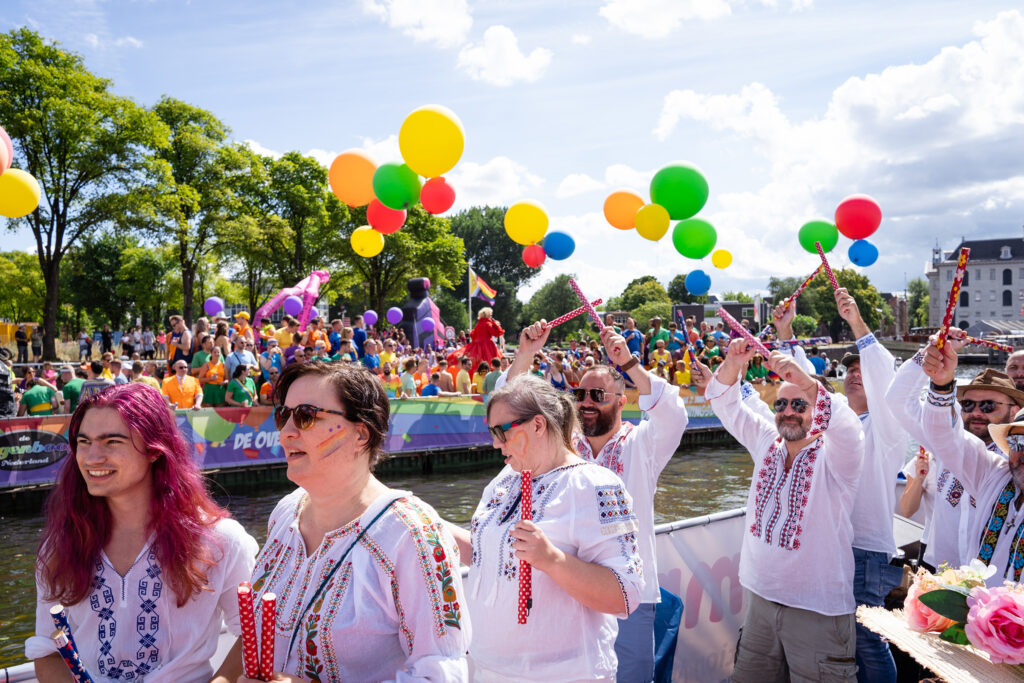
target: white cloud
577 183
580 39
660 18
261 150
128 41
938 145
498 60
382 151
498 182
94 41
445 23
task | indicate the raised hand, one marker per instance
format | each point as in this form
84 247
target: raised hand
940 364
615 346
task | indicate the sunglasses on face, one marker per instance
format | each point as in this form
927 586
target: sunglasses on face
303 415
498 431
987 406
596 395
1015 442
798 405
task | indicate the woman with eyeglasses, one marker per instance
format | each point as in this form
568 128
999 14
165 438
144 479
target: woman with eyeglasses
581 544
366 577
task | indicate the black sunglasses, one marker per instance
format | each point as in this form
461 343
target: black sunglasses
596 395
498 431
304 415
987 406
798 405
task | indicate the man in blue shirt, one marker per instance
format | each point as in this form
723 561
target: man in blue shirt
335 336
273 357
432 389
240 356
634 338
359 335
818 361
370 358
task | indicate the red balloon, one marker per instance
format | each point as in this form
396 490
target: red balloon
384 220
437 195
858 216
534 256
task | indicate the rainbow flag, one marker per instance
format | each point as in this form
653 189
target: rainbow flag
481 289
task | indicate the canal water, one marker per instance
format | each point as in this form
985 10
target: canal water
716 478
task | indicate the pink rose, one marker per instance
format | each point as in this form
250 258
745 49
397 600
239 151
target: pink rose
995 623
920 617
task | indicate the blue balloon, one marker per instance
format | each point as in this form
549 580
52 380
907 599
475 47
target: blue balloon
559 245
698 282
863 253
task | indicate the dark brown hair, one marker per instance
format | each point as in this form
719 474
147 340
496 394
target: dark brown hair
358 390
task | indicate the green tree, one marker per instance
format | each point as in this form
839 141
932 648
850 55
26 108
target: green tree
83 143
552 300
91 277
873 308
22 291
807 302
650 309
679 294
424 247
146 278
741 297
917 302
251 252
495 258
642 291
453 310
804 325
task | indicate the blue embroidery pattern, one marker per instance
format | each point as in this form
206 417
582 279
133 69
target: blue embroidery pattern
866 341
147 623
613 505
941 400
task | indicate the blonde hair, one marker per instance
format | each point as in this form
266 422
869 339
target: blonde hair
485 312
528 395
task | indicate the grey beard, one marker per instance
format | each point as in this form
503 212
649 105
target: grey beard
792 432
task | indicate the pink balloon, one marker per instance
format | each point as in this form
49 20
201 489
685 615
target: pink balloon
437 196
5 163
383 219
858 216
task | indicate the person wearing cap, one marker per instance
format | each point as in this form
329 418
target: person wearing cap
272 358
991 468
72 388
869 372
242 327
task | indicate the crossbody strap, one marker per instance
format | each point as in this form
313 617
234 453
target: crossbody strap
330 575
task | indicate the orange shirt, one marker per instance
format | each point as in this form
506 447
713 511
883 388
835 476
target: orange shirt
183 393
214 373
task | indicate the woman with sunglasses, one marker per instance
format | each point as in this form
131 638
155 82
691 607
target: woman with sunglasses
581 545
366 577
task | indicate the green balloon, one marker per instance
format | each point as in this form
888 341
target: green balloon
694 238
819 231
681 189
396 185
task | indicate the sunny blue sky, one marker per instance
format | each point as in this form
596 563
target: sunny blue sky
787 106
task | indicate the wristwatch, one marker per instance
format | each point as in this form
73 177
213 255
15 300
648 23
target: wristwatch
943 388
629 365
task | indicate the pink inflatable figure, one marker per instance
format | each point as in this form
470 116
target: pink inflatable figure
308 289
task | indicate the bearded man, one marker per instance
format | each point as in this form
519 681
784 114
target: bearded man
796 564
637 453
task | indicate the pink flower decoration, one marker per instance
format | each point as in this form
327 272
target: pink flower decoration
995 623
919 616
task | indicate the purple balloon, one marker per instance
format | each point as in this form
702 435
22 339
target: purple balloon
394 315
293 305
427 325
214 305
370 317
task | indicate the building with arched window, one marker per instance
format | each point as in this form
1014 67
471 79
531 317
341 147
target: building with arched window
993 288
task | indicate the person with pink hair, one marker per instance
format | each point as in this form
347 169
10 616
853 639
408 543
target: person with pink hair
144 562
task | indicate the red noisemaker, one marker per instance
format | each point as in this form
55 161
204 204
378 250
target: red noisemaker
826 266
799 290
954 296
572 314
525 570
247 617
269 621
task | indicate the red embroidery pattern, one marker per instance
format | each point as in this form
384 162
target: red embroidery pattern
611 455
772 482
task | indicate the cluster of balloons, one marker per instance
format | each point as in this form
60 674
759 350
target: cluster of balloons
857 217
431 141
678 192
526 223
19 191
394 316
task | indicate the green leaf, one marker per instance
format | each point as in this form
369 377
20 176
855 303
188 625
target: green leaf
948 602
955 634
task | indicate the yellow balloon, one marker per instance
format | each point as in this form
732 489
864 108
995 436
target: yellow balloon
721 258
652 221
367 242
526 222
19 193
431 140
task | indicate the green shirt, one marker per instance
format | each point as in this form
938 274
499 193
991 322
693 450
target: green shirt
754 372
72 390
199 359
243 393
662 334
38 400
490 380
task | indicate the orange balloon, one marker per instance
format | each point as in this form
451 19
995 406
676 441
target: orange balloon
351 177
620 208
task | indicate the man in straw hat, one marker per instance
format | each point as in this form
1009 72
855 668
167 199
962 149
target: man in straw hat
979 460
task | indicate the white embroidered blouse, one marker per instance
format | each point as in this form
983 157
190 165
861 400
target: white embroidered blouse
393 608
797 549
584 510
130 628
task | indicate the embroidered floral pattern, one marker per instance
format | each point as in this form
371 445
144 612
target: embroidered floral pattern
779 491
822 413
613 505
309 659
147 623
629 550
611 455
990 536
